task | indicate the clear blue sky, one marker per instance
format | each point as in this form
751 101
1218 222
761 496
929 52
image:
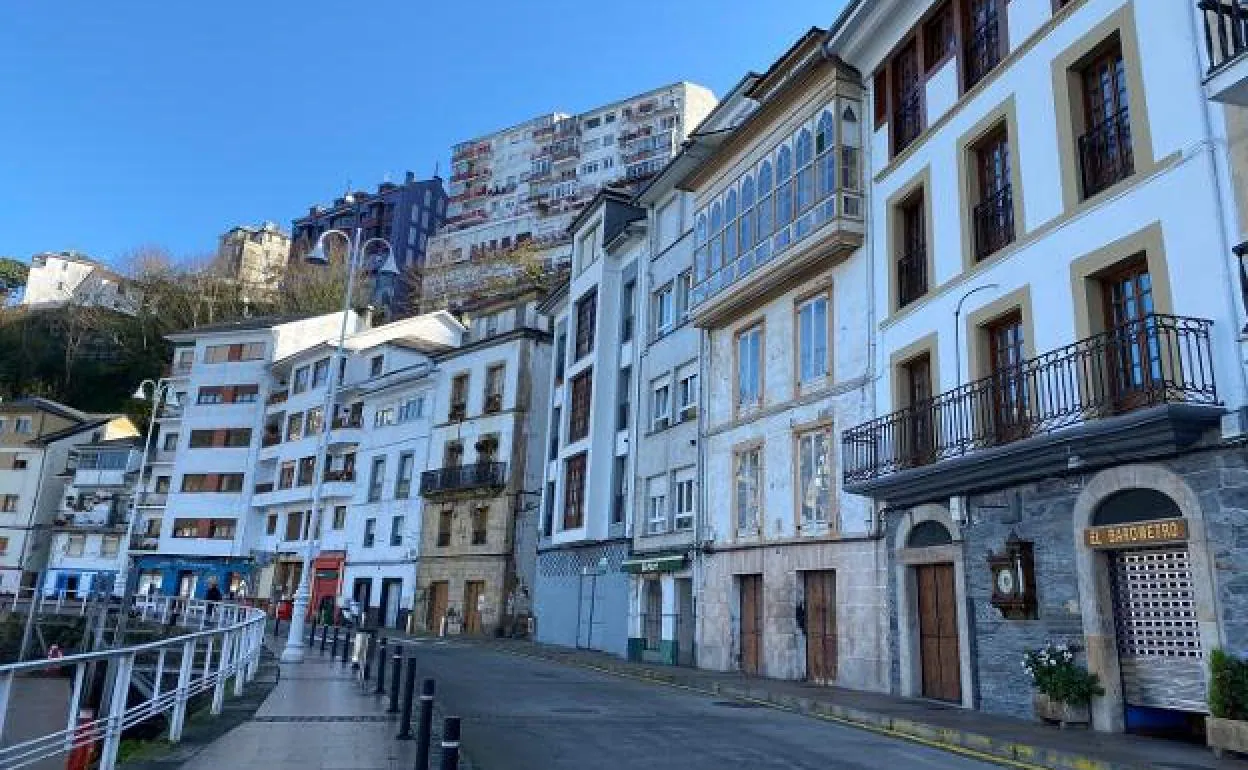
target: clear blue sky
128 123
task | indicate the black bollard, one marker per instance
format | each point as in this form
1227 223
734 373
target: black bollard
450 743
425 729
333 647
409 693
312 634
324 638
277 626
347 643
381 667
396 671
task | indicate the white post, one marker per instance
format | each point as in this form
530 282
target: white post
160 673
182 693
6 686
116 711
208 659
223 671
239 662
75 700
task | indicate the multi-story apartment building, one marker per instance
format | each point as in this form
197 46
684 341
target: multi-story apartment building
582 594
485 461
405 214
68 277
36 438
255 257
515 191
377 443
1058 341
793 574
87 550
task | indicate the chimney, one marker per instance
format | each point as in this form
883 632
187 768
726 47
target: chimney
409 177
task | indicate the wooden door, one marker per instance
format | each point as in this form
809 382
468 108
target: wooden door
437 607
821 653
652 623
938 632
1009 392
751 623
474 590
1133 360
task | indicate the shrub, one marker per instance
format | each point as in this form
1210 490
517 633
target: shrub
1055 673
1228 686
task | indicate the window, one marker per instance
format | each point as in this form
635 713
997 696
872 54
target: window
3 421
623 395
814 477
340 517
270 524
171 441
294 426
555 426
76 545
939 40
574 492
494 388
627 300
1105 152
784 189
307 471
586 318
227 394
222 529
548 512
749 371
985 20
186 528
587 248
219 438
748 480
19 464
286 475
320 373
684 500
805 155
301 379
917 438
1006 352
825 155
561 355
8 503
212 482
687 395
684 295
315 422
412 409
403 486
247 351
445 517
663 310
459 396
452 454
660 406
396 531
383 417
912 261
993 215
656 505
764 209
370 532
162 485
480 523
729 236
376 478
619 489
812 322
375 366
582 388
907 97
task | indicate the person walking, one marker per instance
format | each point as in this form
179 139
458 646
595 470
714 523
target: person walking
212 595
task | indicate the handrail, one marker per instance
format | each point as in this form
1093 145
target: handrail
233 632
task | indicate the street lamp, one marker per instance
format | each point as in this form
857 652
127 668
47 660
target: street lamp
294 650
161 390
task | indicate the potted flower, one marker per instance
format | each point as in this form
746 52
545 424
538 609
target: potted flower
1063 687
1227 727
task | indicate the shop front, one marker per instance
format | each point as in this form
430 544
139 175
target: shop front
190 576
661 620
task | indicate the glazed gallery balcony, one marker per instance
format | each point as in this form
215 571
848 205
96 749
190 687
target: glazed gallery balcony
1146 386
460 479
1226 42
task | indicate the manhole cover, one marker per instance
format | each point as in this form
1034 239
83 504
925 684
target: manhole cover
736 704
575 710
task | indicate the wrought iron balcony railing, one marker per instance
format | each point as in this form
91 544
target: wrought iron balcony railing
1226 31
1159 359
462 478
1105 155
911 276
994 222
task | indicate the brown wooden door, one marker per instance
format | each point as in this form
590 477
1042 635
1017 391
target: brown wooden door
1133 360
437 606
751 623
1009 391
473 591
938 632
821 626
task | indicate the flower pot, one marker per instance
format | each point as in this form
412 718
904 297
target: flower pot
1226 735
1062 714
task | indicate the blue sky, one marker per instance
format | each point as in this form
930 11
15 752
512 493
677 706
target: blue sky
128 123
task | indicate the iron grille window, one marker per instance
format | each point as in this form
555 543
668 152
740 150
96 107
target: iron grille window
912 263
993 216
574 492
983 40
1105 151
582 388
586 319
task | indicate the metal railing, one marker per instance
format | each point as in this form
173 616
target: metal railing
1226 31
994 222
1105 154
1158 359
222 641
463 477
911 276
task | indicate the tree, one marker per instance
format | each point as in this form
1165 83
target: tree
13 276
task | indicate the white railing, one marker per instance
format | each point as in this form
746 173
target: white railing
221 641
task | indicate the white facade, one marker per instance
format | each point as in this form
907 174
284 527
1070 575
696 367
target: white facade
67 277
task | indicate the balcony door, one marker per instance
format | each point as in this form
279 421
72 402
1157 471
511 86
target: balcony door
1009 387
917 439
1133 353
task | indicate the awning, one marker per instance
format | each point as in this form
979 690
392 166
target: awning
664 563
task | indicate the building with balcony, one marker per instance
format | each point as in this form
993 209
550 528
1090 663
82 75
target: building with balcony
475 574
514 192
89 526
37 437
255 257
582 592
1057 367
793 575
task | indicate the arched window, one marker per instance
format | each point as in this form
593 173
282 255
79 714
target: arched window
717 240
764 200
825 162
701 230
1130 505
805 171
747 213
927 534
730 226
699 254
784 187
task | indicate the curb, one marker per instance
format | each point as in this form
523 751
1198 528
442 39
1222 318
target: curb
999 751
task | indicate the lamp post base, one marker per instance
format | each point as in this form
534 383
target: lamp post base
293 652
295 647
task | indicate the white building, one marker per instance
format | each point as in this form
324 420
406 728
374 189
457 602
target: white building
255 256
87 550
582 594
67 277
523 185
1057 191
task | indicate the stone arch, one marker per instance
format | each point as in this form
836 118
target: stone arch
1092 570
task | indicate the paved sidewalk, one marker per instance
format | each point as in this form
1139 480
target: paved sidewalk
934 723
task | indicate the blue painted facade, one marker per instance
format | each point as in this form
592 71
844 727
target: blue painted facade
171 568
82 582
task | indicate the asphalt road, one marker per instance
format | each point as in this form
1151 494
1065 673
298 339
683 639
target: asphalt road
526 714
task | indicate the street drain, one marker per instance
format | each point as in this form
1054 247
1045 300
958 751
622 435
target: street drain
736 704
287 719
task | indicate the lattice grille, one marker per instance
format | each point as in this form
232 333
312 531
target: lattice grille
1155 604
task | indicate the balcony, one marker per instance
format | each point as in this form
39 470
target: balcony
481 477
1226 41
1105 155
265 488
1145 388
339 483
153 499
144 542
277 397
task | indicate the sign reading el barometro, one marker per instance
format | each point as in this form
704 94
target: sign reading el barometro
1141 533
